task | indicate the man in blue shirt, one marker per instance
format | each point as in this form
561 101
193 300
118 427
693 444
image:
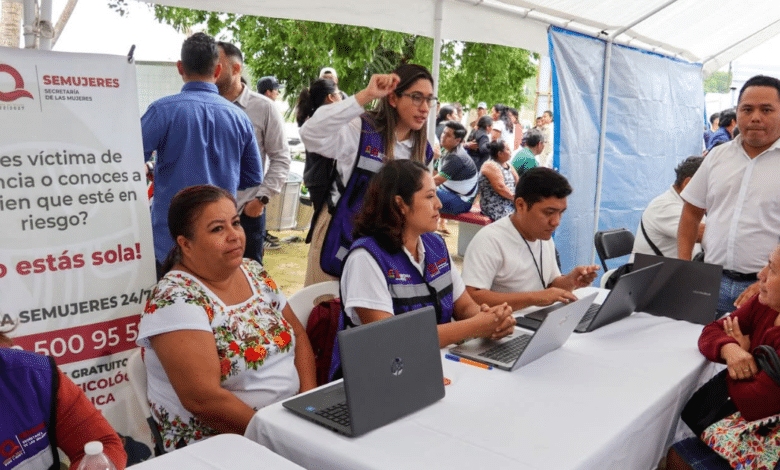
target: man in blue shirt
727 122
200 138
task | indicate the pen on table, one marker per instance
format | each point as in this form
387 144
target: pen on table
452 357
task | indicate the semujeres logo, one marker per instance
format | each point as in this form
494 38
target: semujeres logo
19 91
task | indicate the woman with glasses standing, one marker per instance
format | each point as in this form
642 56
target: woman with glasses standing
361 142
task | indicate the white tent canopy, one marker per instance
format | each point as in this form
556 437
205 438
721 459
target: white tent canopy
705 31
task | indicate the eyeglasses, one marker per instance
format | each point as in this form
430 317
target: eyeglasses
419 98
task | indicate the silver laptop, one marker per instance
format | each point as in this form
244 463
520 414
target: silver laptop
683 290
625 298
391 368
519 348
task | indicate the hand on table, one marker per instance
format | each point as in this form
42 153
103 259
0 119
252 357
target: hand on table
495 322
555 294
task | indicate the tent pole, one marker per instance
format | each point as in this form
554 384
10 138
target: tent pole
46 29
602 140
437 21
28 18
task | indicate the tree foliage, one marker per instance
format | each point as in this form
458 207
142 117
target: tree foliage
295 50
718 82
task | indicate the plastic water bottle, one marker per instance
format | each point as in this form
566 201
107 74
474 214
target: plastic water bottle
94 458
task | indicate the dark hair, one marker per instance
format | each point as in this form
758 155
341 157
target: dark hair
533 137
759 80
540 183
457 129
549 113
380 216
727 116
185 207
445 111
484 122
713 117
514 112
199 55
313 97
386 117
686 169
267 83
503 114
231 51
495 148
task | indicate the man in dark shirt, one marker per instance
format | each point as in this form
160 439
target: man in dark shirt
457 178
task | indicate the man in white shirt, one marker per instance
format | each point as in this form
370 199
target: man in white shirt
657 230
268 124
737 186
513 259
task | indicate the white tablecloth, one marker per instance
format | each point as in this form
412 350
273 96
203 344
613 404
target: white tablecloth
606 399
222 452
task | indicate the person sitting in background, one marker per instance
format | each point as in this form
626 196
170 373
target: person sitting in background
395 256
42 410
727 122
513 259
657 231
497 182
754 395
457 177
319 172
500 113
220 340
526 157
478 147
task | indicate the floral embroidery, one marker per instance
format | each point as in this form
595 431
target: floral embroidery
246 336
746 444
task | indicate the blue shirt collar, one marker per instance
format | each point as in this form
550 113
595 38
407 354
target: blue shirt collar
200 86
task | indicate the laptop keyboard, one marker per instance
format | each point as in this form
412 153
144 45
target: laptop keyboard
592 311
338 413
508 351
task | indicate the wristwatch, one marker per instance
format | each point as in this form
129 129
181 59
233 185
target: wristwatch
264 199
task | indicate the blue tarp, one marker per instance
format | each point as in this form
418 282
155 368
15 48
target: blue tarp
654 120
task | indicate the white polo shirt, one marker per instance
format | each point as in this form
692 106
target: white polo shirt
498 259
661 220
742 199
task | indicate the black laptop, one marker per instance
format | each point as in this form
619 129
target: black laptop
683 290
391 368
624 299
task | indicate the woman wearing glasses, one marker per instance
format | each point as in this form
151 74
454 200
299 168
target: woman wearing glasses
361 142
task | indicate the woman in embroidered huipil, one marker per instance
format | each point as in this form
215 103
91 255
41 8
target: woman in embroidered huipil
220 340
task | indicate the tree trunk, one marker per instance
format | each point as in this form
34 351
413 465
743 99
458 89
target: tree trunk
11 23
63 20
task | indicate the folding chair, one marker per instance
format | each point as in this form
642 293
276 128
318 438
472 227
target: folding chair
613 244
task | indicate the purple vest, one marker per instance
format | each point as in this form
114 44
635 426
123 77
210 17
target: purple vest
28 394
408 288
338 238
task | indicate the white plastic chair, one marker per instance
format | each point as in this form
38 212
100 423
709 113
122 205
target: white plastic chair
302 302
136 372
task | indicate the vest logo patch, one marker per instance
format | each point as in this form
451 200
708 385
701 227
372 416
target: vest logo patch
394 274
10 450
373 151
434 268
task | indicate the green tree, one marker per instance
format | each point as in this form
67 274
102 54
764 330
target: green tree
294 51
718 82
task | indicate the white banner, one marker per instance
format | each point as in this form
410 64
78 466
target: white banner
76 253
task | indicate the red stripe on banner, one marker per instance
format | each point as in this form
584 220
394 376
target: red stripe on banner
84 342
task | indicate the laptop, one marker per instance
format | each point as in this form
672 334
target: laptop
683 290
625 298
519 348
391 368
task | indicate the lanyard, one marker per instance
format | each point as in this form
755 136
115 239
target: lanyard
539 266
